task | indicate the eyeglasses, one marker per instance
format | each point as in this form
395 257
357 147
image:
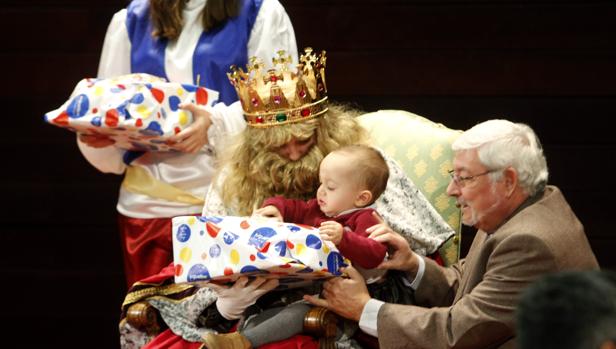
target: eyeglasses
461 181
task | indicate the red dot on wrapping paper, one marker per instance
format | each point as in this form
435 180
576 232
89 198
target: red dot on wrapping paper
252 257
290 245
122 86
244 224
264 248
61 119
178 269
177 130
139 123
228 271
212 229
284 266
94 110
111 118
201 96
158 94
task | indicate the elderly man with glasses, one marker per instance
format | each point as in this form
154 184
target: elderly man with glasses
526 229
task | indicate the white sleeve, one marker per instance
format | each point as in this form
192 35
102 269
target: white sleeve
107 159
115 56
369 316
227 122
114 61
271 32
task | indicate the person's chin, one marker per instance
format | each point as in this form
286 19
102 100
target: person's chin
469 217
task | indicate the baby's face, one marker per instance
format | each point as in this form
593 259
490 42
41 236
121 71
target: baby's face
338 190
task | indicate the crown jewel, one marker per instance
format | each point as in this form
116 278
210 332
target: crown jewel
281 96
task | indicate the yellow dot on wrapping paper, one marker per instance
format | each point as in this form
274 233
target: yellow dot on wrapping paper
185 254
179 91
99 90
143 111
299 248
325 248
191 220
182 117
235 256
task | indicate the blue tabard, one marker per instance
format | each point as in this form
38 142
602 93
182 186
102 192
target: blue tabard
216 50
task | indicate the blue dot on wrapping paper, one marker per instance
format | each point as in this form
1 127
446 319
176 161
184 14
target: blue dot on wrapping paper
261 255
122 111
314 241
137 98
174 102
293 228
215 250
213 219
148 85
198 272
228 237
260 236
252 269
334 262
189 88
78 107
96 121
281 248
306 270
153 129
183 233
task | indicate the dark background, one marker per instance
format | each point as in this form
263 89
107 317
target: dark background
546 63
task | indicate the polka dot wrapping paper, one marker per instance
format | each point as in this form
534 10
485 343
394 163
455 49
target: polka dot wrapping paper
138 111
224 248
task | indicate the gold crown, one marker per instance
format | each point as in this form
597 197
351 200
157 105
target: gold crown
282 96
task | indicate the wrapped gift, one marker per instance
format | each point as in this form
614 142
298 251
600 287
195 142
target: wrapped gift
223 248
138 111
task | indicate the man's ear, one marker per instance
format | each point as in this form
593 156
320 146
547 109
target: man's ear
510 179
363 198
608 345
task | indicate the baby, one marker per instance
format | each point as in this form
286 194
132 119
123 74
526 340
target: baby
351 178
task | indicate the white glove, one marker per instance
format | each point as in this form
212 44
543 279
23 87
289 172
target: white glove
233 300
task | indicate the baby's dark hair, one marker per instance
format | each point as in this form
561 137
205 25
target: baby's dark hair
371 171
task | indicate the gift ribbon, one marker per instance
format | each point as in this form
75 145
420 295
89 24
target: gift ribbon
138 180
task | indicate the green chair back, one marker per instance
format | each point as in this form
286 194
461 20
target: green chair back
423 150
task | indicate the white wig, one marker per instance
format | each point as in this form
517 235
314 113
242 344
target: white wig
501 144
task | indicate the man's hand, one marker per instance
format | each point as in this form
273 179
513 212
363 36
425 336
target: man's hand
194 137
344 296
269 211
401 257
331 231
95 140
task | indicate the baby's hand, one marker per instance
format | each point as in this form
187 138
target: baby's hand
331 231
269 212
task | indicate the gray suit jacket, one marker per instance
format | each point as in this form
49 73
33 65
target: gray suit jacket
471 304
